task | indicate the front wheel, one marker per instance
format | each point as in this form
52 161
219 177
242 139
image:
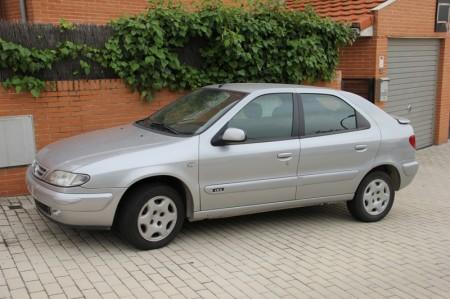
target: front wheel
151 216
373 199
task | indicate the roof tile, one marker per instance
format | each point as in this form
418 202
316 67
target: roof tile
348 11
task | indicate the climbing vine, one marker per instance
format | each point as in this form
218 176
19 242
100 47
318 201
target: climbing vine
257 43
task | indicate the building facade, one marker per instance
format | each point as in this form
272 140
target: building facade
399 40
403 41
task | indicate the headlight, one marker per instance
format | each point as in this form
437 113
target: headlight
67 179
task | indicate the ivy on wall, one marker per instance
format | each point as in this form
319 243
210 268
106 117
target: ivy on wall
261 43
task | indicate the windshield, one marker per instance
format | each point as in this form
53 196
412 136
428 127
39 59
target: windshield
193 113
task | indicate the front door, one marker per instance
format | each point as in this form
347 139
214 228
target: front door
338 146
260 170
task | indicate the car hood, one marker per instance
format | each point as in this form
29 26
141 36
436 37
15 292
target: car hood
77 151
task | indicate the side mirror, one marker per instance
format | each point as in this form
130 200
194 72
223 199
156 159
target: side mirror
233 135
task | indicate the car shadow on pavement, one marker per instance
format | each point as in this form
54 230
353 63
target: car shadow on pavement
201 232
336 212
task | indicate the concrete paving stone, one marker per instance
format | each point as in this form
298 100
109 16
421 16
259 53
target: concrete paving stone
109 296
53 288
83 284
46 278
90 294
39 295
65 281
72 292
34 286
20 294
15 283
29 275
4 292
10 273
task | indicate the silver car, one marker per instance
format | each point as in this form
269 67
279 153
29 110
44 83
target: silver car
227 150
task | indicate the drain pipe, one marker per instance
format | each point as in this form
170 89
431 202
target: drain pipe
23 11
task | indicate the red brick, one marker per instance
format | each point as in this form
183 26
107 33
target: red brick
10 10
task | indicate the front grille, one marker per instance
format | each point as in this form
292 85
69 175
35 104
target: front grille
43 207
39 171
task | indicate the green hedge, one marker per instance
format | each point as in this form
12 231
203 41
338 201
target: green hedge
260 43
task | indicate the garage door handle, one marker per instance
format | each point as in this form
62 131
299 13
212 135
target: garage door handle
284 156
360 147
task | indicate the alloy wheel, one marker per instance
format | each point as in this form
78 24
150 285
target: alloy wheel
376 197
157 218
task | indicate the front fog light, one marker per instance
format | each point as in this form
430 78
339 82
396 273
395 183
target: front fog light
67 179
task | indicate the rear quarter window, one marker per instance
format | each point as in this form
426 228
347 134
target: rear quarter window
327 114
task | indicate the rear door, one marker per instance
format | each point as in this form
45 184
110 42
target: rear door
337 146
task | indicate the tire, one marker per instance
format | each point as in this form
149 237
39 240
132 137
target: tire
151 216
373 199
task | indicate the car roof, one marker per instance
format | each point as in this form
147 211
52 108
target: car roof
252 87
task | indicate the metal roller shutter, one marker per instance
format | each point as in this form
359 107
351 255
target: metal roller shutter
412 68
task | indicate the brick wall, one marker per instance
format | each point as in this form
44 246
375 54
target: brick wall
402 19
416 19
72 108
9 10
442 125
411 18
335 83
358 60
82 11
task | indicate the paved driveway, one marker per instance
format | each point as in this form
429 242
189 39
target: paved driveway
309 252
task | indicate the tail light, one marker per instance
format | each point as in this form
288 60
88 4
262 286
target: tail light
412 141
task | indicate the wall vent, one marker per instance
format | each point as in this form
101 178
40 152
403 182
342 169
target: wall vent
17 145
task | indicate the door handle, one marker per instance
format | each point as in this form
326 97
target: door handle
284 156
361 147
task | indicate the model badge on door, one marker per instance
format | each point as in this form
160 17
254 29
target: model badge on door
215 190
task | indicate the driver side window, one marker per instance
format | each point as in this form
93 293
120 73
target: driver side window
269 117
327 114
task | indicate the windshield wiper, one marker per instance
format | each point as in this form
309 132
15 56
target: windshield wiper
164 127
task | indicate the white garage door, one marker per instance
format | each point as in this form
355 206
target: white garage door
412 68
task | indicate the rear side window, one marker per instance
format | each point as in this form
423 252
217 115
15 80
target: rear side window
324 114
268 117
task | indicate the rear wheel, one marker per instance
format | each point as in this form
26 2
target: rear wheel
373 199
151 216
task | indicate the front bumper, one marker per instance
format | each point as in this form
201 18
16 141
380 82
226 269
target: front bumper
84 207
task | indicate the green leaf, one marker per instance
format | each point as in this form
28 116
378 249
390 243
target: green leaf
35 92
86 67
134 66
221 44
